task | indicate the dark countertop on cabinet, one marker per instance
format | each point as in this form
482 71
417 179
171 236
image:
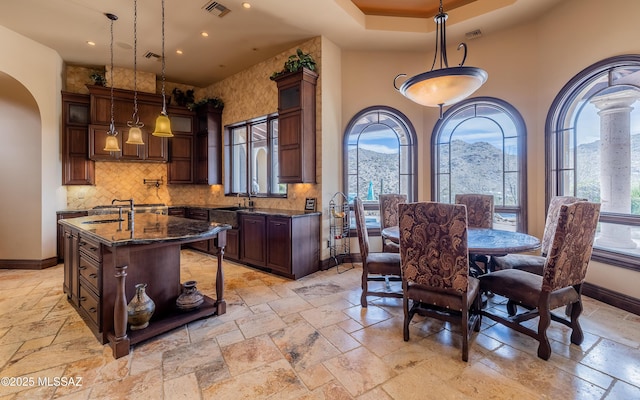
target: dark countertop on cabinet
146 228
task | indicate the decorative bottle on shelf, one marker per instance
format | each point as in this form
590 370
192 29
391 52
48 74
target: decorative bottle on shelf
140 309
191 298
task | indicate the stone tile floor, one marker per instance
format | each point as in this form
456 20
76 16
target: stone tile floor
305 339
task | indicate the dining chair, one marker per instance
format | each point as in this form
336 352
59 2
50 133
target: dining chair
376 266
559 285
389 217
435 267
479 215
531 262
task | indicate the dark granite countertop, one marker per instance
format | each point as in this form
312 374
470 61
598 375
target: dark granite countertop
266 211
146 228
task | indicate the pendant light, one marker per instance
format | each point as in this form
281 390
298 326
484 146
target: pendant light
135 133
444 86
163 125
111 144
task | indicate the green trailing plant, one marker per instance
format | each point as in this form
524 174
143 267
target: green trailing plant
183 98
98 78
216 102
296 62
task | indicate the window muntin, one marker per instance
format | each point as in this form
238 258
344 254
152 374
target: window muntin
379 157
593 147
478 147
251 150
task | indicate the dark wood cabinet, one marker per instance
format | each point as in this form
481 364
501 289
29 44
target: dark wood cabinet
288 246
208 146
77 168
202 215
253 237
181 148
61 246
155 148
71 264
297 126
232 251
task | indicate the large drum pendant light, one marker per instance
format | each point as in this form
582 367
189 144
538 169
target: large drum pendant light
163 125
443 86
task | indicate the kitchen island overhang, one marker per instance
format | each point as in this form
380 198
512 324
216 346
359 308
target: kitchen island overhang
113 255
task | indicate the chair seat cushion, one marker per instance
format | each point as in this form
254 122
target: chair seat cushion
525 262
525 288
445 299
383 263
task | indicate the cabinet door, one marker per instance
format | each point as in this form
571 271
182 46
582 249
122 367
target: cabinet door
232 250
279 243
97 141
71 265
253 233
77 169
180 167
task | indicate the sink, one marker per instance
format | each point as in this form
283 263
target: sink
103 221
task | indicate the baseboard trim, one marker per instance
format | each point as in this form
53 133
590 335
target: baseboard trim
29 264
619 300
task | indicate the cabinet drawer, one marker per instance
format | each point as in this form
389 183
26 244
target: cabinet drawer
90 271
89 304
91 248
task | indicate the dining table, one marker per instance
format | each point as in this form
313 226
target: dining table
485 241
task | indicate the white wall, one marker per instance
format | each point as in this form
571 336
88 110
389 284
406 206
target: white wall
30 67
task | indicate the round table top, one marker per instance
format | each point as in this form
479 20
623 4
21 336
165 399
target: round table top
486 241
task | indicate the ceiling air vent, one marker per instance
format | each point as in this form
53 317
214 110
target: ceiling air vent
216 8
473 34
152 55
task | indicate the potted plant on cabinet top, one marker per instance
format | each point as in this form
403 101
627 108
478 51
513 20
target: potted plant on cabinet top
294 63
98 79
215 102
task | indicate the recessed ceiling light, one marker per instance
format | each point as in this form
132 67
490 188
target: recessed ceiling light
179 51
246 5
90 43
204 34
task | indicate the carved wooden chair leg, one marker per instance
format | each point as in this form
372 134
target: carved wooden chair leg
576 330
365 289
465 332
407 318
544 347
512 308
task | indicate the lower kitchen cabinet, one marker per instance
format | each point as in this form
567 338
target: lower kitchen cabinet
61 244
288 246
232 251
71 264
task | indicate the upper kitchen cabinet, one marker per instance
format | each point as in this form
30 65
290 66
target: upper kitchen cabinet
181 147
77 168
208 146
155 148
297 126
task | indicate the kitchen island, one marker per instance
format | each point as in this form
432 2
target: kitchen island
109 255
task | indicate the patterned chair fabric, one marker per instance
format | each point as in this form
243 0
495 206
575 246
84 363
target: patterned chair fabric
559 285
375 266
479 209
435 266
389 217
535 263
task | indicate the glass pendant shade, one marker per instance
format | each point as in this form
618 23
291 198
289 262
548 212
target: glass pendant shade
135 136
163 126
111 144
443 87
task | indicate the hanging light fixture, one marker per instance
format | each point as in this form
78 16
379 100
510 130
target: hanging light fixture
111 144
163 125
443 86
135 133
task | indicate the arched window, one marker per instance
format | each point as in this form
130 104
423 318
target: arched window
379 157
593 148
479 147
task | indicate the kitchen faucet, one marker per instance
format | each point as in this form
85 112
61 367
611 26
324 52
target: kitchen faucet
130 214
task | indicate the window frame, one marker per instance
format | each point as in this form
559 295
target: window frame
521 129
558 113
412 139
272 143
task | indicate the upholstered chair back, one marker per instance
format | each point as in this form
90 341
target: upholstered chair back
567 261
361 227
389 208
552 219
433 245
479 209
